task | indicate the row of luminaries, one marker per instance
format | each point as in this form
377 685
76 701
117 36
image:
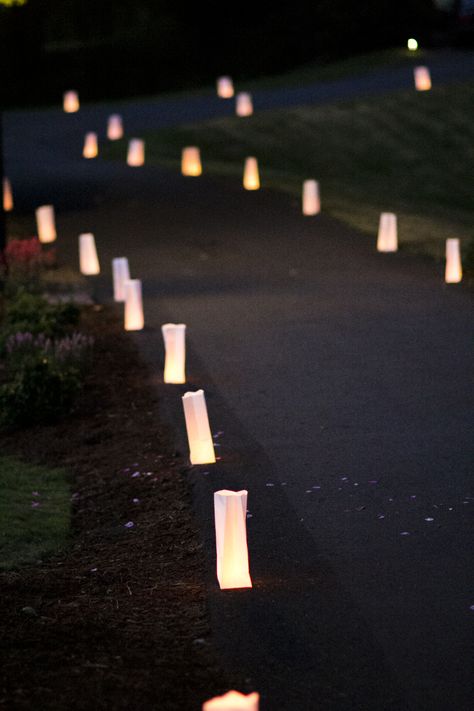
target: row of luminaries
225 90
387 239
230 507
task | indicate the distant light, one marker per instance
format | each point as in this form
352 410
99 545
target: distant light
412 44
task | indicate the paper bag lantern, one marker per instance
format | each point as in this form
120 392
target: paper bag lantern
90 145
201 445
311 199
191 161
88 260
387 240
70 102
134 320
230 515
7 195
412 44
114 127
422 78
174 335
251 175
121 274
243 104
136 152
225 88
46 223
233 701
453 273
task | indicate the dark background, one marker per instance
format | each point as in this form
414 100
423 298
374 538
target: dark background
109 49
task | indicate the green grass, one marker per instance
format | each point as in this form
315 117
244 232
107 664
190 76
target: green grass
27 533
356 65
410 153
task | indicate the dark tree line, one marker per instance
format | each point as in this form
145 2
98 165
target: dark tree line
125 47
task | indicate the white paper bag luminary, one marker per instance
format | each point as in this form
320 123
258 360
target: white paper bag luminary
134 320
422 78
311 198
191 161
251 174
88 260
201 445
46 223
453 272
70 102
387 240
7 195
412 44
121 274
243 104
174 336
90 145
233 701
230 516
114 127
136 152
225 88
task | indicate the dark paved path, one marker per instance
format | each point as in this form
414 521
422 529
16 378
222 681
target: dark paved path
340 380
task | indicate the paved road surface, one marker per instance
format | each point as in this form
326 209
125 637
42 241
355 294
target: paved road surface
339 378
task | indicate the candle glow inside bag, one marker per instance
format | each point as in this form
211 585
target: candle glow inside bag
46 223
174 336
201 445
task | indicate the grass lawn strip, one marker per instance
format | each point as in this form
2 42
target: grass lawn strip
34 512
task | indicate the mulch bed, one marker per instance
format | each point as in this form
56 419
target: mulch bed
119 620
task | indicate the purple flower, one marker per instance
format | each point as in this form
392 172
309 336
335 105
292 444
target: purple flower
129 524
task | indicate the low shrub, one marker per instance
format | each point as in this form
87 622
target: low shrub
31 313
24 263
39 391
43 377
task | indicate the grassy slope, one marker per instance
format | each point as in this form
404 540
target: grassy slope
305 74
27 533
409 152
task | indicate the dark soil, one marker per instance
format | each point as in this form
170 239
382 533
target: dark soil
119 621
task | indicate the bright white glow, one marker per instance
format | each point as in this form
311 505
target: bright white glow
121 274
136 152
251 175
7 195
233 701
88 260
311 199
114 127
46 223
412 44
422 78
201 445
191 161
174 336
387 239
90 145
70 102
230 514
243 104
453 273
225 88
134 320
